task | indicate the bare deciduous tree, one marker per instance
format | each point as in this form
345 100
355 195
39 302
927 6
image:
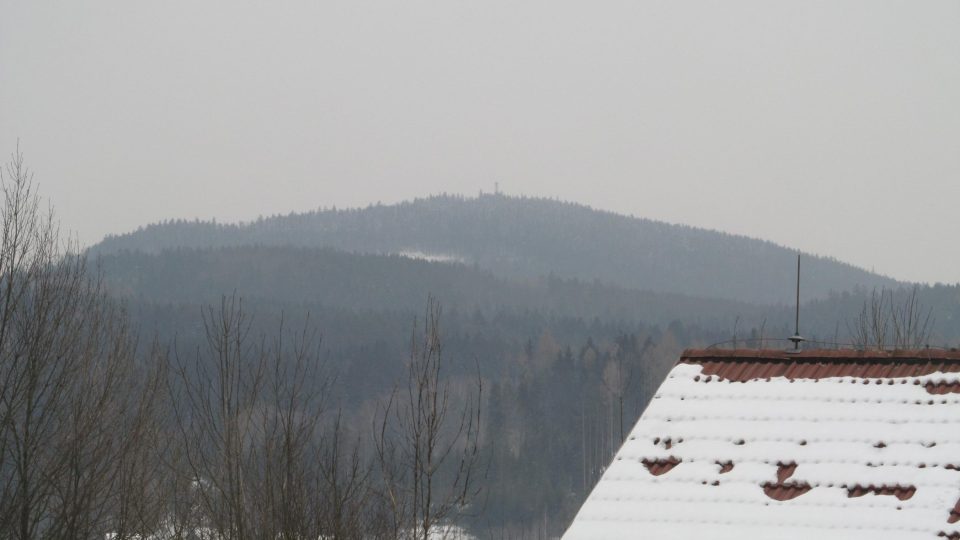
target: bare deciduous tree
344 487
881 313
261 462
428 451
99 439
69 380
911 324
214 399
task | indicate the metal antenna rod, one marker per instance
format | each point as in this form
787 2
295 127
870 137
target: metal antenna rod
797 332
797 338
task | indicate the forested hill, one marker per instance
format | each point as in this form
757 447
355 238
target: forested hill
295 276
538 307
529 238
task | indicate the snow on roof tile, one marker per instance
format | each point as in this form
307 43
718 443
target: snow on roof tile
765 444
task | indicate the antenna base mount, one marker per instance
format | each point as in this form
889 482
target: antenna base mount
796 339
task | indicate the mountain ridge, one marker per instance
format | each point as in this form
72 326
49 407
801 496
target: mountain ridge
526 237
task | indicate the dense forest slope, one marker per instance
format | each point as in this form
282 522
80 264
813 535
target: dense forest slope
298 277
529 238
547 349
322 276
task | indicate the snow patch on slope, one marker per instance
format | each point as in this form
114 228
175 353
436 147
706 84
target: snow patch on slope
430 257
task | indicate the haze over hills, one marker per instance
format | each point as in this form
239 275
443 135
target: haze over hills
384 354
324 276
549 302
495 252
518 237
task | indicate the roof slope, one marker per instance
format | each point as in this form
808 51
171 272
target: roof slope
762 444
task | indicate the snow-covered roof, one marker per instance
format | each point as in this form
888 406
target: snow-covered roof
764 444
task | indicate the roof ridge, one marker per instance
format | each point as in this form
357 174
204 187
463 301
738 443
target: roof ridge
819 354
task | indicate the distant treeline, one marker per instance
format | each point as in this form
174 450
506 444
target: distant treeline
324 277
529 238
294 275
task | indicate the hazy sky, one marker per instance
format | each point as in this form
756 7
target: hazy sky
832 126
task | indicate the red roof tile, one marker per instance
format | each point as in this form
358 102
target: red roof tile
833 444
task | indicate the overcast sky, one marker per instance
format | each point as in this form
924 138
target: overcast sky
831 126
